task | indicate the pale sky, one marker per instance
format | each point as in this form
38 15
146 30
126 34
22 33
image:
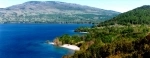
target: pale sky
116 5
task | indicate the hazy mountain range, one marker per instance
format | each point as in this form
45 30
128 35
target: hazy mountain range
53 11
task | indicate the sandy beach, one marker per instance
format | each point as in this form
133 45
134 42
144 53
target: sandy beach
72 47
84 32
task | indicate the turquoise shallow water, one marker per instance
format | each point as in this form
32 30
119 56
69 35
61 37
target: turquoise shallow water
27 40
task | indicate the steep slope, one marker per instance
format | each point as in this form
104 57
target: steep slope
140 15
53 11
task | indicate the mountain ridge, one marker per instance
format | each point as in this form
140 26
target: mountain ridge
53 11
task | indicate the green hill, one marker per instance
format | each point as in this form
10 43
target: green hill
140 15
124 36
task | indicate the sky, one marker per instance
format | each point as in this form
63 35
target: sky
116 5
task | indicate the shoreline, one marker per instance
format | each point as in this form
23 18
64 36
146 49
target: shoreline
84 32
72 47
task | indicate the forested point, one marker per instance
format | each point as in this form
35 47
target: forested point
111 42
124 36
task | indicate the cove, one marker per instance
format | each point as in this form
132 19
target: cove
28 40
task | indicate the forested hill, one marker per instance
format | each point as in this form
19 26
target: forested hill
140 15
53 11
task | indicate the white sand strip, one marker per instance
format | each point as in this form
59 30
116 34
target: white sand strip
72 47
84 32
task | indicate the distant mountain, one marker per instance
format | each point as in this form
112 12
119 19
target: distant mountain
53 11
140 15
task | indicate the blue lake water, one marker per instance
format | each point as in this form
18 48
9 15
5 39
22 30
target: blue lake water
27 40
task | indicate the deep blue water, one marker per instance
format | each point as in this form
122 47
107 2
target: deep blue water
27 40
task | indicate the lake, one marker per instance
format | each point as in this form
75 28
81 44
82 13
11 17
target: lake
28 40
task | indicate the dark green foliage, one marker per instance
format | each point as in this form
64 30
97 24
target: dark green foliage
110 41
122 48
122 37
67 39
82 29
140 15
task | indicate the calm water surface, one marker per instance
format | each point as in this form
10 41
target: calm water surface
27 40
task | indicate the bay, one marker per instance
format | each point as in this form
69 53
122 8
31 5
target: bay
28 40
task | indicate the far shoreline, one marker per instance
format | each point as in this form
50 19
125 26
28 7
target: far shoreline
47 23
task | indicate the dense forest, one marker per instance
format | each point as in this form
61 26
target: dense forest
124 36
140 15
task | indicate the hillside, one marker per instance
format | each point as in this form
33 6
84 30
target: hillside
53 11
140 15
124 36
